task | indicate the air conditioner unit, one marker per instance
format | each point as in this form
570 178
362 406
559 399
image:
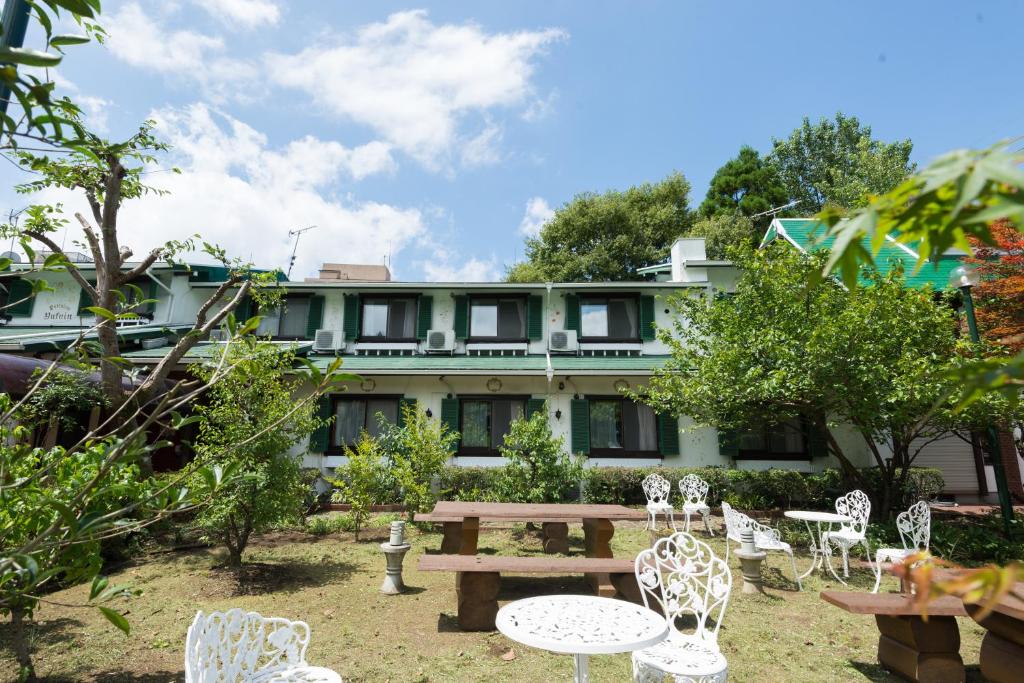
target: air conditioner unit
563 341
153 343
441 341
218 335
328 341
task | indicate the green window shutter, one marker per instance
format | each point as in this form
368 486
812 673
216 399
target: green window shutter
647 318
450 414
244 311
18 289
316 316
424 316
580 427
320 438
817 442
572 312
534 405
535 318
403 403
461 324
84 300
728 442
668 434
351 322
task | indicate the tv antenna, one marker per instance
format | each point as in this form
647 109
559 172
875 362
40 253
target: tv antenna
296 233
777 209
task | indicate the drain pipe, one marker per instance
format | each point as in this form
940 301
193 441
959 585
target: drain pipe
549 371
170 294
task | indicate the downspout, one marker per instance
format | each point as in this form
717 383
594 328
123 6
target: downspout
170 295
549 370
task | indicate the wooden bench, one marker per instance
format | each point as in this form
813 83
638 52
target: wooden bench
909 646
478 579
554 532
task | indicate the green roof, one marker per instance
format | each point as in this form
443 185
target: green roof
808 234
203 351
478 365
57 338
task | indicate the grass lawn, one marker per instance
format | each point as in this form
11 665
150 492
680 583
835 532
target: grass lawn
332 583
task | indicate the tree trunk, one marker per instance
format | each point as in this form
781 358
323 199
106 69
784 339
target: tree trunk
19 638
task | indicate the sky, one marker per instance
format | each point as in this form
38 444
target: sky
437 135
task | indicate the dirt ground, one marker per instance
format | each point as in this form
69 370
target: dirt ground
332 583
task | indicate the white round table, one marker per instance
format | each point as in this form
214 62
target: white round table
820 555
581 625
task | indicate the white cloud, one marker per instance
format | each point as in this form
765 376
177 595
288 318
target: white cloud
136 39
238 192
537 214
473 270
247 14
483 149
94 108
414 81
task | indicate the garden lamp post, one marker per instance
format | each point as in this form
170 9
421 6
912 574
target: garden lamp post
964 278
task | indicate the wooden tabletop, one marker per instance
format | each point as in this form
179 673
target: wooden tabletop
892 604
535 512
1010 605
526 565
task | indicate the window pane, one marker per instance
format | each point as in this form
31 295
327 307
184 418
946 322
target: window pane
511 322
483 319
639 427
504 413
294 317
377 409
752 441
270 322
400 319
476 423
606 424
375 319
349 421
594 318
622 322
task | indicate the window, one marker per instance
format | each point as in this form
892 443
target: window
619 427
781 441
288 321
484 423
609 318
133 293
389 318
498 318
354 415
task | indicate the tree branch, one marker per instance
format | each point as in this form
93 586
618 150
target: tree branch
144 265
75 273
90 237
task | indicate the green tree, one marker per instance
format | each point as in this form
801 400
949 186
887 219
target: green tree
538 470
838 163
876 358
360 479
748 185
417 450
722 232
607 237
249 421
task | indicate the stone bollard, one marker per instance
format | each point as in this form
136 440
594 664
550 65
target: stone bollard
394 552
750 563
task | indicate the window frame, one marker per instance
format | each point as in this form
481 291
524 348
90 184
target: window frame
339 449
619 452
478 451
284 299
635 296
388 297
750 454
525 298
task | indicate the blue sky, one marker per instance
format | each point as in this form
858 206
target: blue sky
440 132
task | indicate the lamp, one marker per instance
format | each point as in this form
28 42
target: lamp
964 278
558 414
430 413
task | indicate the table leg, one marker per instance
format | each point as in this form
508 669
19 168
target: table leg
814 552
470 534
597 534
920 650
556 537
827 557
582 669
477 597
452 539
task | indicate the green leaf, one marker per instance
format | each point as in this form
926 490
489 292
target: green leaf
28 57
99 583
68 39
100 312
117 619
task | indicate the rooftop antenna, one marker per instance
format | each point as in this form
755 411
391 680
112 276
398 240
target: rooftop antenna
777 209
296 233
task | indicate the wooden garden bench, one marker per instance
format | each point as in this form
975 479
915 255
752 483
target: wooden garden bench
909 646
478 579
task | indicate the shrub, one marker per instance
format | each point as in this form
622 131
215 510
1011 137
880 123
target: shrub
468 483
417 451
360 479
538 471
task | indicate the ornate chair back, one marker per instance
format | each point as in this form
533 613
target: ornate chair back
656 488
236 645
694 490
684 578
915 526
732 528
857 505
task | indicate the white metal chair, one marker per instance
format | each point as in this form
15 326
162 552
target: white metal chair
685 580
856 505
915 527
657 489
765 537
695 495
245 647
